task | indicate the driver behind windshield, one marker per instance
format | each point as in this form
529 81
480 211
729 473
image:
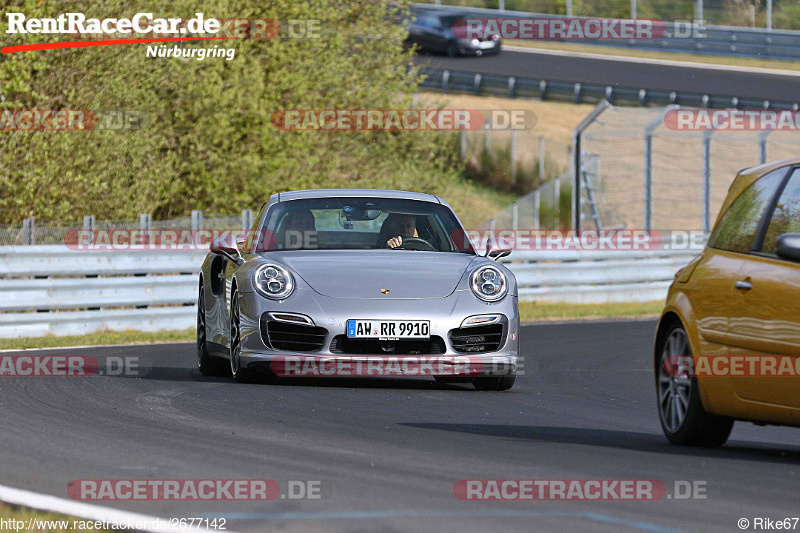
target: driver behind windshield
395 228
300 230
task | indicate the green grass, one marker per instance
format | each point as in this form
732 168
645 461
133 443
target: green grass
107 337
534 311
13 512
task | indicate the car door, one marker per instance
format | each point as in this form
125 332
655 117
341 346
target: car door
438 34
716 300
766 321
424 34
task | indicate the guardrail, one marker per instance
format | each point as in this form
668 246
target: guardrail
714 40
53 290
549 89
595 277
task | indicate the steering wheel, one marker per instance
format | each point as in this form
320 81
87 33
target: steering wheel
415 243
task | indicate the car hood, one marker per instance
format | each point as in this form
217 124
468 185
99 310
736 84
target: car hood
366 273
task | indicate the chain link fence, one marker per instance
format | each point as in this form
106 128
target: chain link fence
645 175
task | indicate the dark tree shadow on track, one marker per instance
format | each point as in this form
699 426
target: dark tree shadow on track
626 440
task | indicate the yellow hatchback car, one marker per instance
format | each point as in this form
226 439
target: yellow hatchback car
736 308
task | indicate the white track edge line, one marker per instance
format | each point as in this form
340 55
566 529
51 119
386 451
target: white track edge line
651 61
54 504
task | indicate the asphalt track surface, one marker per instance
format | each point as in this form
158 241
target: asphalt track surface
626 74
388 452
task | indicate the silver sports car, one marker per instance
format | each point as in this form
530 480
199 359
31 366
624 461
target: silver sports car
358 282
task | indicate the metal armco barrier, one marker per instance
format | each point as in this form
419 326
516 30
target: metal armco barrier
55 290
708 40
549 89
595 277
52 290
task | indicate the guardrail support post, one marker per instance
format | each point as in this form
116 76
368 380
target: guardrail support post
513 157
557 199
247 219
537 202
27 232
512 87
643 97
88 222
543 90
763 139
197 220
145 222
515 216
445 80
476 84
577 91
542 157
769 15
648 180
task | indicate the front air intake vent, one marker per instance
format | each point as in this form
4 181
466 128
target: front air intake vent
479 339
292 337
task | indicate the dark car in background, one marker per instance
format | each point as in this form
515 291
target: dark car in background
433 32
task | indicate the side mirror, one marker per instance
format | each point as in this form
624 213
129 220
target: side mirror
225 245
495 253
789 246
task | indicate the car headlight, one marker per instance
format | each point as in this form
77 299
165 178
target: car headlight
489 284
273 281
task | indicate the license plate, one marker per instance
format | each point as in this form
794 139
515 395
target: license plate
483 45
388 329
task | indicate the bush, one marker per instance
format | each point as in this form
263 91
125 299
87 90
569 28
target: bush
210 143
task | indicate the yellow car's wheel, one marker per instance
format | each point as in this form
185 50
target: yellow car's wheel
680 409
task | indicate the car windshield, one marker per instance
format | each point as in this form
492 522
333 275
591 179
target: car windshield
362 224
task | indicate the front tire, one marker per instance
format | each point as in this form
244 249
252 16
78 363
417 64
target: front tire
239 373
680 410
207 364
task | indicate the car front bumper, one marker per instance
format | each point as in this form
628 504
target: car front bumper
445 315
482 48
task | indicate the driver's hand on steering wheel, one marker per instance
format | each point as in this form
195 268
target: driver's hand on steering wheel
394 242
